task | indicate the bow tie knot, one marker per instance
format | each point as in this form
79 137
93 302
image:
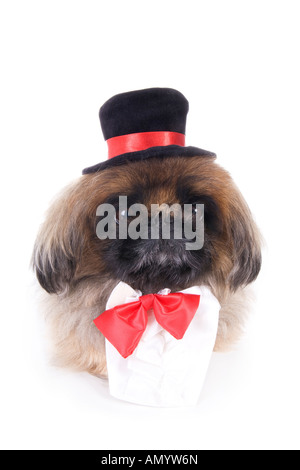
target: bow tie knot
124 325
148 301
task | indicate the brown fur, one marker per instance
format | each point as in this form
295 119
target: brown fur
68 257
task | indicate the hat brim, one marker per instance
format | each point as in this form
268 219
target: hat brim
153 152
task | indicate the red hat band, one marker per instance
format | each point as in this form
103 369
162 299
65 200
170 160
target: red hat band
123 144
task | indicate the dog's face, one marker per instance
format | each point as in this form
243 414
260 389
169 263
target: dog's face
150 264
69 251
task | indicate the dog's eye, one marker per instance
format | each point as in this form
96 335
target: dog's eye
123 215
198 210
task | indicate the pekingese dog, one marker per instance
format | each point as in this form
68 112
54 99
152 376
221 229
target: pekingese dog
79 271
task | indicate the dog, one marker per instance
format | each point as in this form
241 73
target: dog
79 271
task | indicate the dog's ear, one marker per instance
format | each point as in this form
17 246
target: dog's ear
245 244
58 246
54 265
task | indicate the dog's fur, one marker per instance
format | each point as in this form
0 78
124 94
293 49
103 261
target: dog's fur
79 271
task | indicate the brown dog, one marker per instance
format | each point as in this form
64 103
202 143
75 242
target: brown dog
79 271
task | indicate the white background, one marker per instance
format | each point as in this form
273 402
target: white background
238 64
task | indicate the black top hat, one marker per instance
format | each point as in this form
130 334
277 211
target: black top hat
145 124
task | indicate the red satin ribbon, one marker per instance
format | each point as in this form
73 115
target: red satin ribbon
142 141
125 324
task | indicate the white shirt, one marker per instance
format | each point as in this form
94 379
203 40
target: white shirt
164 371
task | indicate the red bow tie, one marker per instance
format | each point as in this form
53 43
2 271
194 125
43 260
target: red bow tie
125 324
